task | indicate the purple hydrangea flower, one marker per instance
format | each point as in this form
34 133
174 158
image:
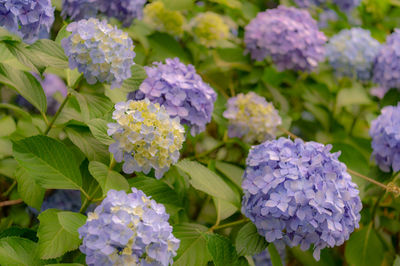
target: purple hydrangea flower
124 10
67 200
288 35
27 18
100 51
128 229
51 85
385 133
352 53
387 63
251 117
79 9
181 91
264 258
344 5
299 193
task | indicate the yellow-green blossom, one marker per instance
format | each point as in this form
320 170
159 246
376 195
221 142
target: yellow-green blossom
160 18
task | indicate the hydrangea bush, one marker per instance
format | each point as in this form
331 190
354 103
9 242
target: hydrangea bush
126 132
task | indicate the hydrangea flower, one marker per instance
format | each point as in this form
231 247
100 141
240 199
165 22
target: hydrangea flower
124 10
63 199
51 85
352 53
344 5
289 36
99 51
128 229
264 257
160 18
326 17
298 192
145 137
210 29
251 117
385 133
387 63
181 91
26 18
79 9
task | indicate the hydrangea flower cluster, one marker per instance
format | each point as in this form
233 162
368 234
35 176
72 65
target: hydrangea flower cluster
27 18
251 117
387 63
63 199
210 29
298 192
100 51
344 5
181 91
145 137
79 9
124 10
128 229
264 258
352 53
289 36
385 133
51 85
326 17
160 18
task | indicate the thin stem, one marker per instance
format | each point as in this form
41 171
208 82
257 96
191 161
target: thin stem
6 193
287 132
85 205
57 114
85 194
10 202
216 227
368 179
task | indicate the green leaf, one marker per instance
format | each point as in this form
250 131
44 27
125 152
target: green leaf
108 179
58 232
49 162
249 241
93 106
205 180
224 208
93 149
222 251
30 192
275 257
99 127
353 96
178 4
5 147
364 248
65 264
50 53
165 46
16 251
7 125
193 247
233 172
397 261
18 111
20 51
7 167
159 191
25 84
19 232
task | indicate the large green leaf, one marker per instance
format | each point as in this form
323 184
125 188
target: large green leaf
58 232
222 251
90 146
30 192
19 232
17 251
49 162
108 179
275 257
249 241
205 180
364 248
7 125
224 208
25 84
24 56
193 247
99 127
93 106
233 172
50 53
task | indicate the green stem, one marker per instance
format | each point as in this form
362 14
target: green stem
216 227
57 114
85 205
6 193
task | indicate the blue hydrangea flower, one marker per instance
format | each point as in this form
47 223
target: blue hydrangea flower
145 137
79 9
100 51
299 193
51 85
181 91
289 36
67 200
352 53
264 258
251 117
124 10
128 229
344 5
385 134
27 18
387 63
